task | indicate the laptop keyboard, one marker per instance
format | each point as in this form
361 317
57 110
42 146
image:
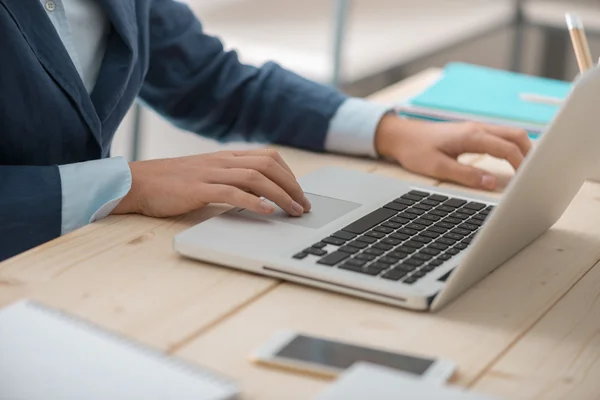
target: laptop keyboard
404 240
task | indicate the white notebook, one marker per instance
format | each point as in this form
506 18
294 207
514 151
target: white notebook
370 381
46 354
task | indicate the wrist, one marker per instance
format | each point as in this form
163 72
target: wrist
129 203
391 132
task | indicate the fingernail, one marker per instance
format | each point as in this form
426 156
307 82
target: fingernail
488 182
306 203
298 209
265 205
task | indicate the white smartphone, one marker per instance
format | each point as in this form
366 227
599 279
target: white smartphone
326 357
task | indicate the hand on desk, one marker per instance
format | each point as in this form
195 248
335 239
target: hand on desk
432 148
169 187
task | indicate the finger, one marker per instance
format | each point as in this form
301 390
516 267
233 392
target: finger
235 197
253 181
448 169
515 135
267 153
485 143
275 172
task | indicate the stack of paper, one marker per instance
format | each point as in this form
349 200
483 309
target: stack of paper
468 92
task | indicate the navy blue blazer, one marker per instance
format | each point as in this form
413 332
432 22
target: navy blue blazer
156 50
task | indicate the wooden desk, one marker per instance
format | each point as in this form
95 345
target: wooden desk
529 330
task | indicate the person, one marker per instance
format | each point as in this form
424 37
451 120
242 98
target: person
71 70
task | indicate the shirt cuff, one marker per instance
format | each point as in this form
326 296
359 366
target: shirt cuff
352 128
91 190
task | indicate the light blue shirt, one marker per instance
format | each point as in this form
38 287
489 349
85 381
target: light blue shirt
92 189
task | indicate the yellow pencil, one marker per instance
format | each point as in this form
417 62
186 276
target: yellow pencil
580 43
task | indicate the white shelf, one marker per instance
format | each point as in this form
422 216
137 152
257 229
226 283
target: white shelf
552 13
381 33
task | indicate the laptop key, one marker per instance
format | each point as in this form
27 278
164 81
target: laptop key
364 256
392 241
387 260
438 213
436 263
421 256
438 246
469 227
455 203
422 206
419 274
453 236
428 268
479 217
319 245
437 229
466 211
315 251
358 244
375 234
438 197
461 231
382 246
475 222
422 239
383 229
460 216
431 217
394 275
410 280
429 234
445 208
400 220
300 256
396 206
467 240
452 251
409 196
379 266
418 193
445 257
351 267
408 215
334 258
398 254
349 249
417 227
390 224
430 202
399 236
334 241
445 225
357 262
475 206
430 251
404 267
366 239
445 240
371 271
344 235
423 221
407 231
405 249
412 243
374 252
370 220
415 211
415 262
452 220
407 202
461 246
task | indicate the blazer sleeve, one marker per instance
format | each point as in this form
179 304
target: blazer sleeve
30 207
200 87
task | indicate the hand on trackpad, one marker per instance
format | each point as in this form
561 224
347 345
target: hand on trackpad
324 211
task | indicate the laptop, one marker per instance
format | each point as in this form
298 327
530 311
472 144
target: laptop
404 244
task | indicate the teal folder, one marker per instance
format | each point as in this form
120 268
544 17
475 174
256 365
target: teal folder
490 94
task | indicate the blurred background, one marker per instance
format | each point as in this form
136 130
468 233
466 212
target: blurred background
362 46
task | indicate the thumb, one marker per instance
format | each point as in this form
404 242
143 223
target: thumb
453 171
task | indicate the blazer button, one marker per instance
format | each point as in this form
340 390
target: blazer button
50 6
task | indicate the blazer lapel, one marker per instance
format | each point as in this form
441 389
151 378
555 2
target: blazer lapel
120 57
51 53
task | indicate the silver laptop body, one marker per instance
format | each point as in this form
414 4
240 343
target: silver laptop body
403 244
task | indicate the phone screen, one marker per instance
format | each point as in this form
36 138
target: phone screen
342 356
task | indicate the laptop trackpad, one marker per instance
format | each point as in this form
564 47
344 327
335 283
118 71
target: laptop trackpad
324 211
